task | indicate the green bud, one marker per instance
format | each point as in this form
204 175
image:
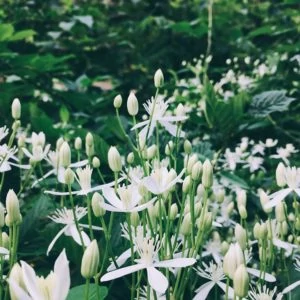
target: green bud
65 155
78 143
114 159
118 101
207 174
241 281
241 236
196 171
97 201
69 176
13 208
96 162
132 104
187 146
90 260
158 78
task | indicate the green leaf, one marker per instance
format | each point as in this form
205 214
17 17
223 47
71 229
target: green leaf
78 292
268 102
64 114
6 31
23 34
235 180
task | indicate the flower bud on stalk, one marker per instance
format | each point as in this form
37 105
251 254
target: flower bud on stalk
78 143
196 171
173 211
130 158
242 211
59 143
134 219
186 184
158 78
233 258
132 104
90 260
256 231
241 281
280 212
89 145
96 162
241 236
207 174
114 159
241 197
69 176
97 201
280 175
190 163
264 199
16 109
118 101
187 146
65 155
2 215
186 225
13 208
151 152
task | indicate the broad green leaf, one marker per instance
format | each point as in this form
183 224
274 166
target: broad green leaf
6 31
24 34
268 102
64 114
78 292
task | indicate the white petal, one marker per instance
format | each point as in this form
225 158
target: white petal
3 251
79 164
176 263
285 245
174 118
151 185
143 206
60 193
30 281
42 178
26 152
120 260
56 238
171 128
72 231
297 191
122 272
141 124
291 287
62 271
174 181
203 290
18 291
110 195
88 226
268 277
157 280
279 197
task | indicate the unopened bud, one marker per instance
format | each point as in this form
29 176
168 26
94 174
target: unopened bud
242 211
65 155
118 101
207 174
130 158
263 231
256 230
241 281
69 176
180 111
196 170
59 143
114 159
169 148
134 219
158 78
16 109
186 225
132 104
96 162
280 212
173 211
90 260
224 247
78 143
264 199
241 236
97 201
280 175
241 197
186 184
151 152
190 163
12 207
187 146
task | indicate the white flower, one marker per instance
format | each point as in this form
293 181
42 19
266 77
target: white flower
269 143
152 295
3 132
263 293
215 275
231 159
65 216
161 180
54 287
147 249
38 152
284 153
157 110
213 248
254 163
292 178
128 200
258 148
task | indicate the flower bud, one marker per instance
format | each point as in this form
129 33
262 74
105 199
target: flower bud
196 170
16 109
186 184
16 275
297 223
59 143
241 197
96 162
130 158
114 159
78 143
208 219
173 212
264 199
169 148
220 195
190 163
263 231
180 111
2 215
12 207
241 236
89 145
90 260
65 155
229 208
186 225
280 212
280 175
233 258
118 101
241 281
224 247
134 219
69 176
132 104
198 207
158 78
207 174
242 211
187 146
151 152
256 230
97 201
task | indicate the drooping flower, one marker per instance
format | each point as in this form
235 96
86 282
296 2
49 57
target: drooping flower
148 248
54 287
65 216
157 111
127 199
214 273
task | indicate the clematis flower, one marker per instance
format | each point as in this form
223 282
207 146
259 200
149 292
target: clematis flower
148 248
292 179
54 287
285 153
65 216
215 275
157 110
263 293
128 200
161 180
38 153
53 159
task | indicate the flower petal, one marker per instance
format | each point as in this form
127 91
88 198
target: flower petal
56 238
180 262
279 197
203 290
122 272
18 292
157 280
268 277
121 259
222 285
42 178
291 287
110 195
151 185
72 231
